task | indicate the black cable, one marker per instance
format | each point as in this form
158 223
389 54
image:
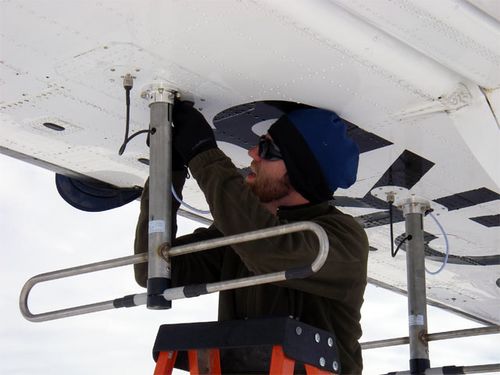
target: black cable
127 140
408 237
391 229
128 83
390 200
127 121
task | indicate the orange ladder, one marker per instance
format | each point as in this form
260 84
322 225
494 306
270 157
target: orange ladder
197 346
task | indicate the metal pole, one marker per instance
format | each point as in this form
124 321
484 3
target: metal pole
477 369
68 272
432 337
413 210
160 199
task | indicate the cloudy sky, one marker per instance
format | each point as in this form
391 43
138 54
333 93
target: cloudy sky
40 232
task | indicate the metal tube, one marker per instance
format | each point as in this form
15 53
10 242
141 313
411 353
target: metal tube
385 343
413 210
258 235
175 293
195 217
417 307
432 337
160 201
476 369
463 333
73 271
481 369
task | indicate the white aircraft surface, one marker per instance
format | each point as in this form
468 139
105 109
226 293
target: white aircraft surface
418 83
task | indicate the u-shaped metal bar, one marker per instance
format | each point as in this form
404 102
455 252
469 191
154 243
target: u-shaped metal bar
184 291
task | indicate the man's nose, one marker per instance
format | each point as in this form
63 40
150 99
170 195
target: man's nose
253 152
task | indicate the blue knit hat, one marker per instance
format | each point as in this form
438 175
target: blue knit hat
323 136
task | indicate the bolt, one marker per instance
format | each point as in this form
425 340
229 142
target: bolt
422 336
298 330
322 362
330 342
335 366
317 337
163 250
390 196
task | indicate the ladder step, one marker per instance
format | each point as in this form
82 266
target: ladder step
311 347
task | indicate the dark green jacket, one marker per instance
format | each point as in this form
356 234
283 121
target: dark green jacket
331 299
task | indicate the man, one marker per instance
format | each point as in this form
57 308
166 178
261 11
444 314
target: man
305 156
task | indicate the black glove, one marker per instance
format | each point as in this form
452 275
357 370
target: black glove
191 133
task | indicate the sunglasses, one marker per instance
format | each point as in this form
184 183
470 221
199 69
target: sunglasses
268 150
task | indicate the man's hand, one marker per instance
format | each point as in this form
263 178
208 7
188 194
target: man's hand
191 133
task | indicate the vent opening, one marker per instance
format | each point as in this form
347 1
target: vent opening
55 127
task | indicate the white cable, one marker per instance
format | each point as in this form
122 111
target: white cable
447 247
198 211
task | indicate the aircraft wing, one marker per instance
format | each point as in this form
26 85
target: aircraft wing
417 81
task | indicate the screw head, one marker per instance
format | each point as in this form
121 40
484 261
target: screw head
322 362
317 337
298 331
335 366
330 342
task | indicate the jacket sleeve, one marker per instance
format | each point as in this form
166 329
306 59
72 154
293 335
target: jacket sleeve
236 210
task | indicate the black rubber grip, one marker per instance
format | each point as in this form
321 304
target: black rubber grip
299 273
419 365
195 290
127 301
156 287
453 370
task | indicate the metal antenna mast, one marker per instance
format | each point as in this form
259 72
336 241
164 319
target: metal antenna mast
413 211
160 200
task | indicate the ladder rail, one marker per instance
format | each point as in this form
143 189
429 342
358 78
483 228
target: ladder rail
179 292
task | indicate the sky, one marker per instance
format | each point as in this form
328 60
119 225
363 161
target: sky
40 232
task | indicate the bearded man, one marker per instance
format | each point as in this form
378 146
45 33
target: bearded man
296 167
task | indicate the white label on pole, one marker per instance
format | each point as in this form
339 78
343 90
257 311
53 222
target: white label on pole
416 320
156 226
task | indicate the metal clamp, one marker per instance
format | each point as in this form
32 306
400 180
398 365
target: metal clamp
413 205
159 92
179 292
